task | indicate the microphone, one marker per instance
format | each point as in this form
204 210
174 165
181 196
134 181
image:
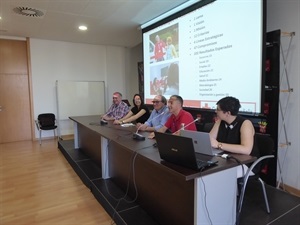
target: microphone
140 137
182 128
102 121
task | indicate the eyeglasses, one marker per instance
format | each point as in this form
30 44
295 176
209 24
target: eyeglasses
156 102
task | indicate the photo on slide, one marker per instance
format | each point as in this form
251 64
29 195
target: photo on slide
163 45
164 79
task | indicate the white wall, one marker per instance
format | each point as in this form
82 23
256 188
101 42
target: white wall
135 55
285 15
116 72
55 60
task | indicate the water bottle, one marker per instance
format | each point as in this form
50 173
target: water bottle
182 126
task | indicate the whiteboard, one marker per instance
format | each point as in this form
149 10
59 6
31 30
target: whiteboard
80 98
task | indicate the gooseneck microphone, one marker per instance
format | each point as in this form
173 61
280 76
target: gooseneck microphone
140 137
103 121
182 128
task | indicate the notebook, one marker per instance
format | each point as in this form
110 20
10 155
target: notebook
201 141
180 150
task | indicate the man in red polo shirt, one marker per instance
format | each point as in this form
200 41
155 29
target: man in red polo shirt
178 118
159 49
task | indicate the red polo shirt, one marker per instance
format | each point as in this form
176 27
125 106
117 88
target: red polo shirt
174 122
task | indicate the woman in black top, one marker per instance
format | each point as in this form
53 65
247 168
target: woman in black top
139 113
233 133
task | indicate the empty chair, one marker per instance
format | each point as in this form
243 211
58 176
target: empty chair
45 121
126 101
266 148
207 127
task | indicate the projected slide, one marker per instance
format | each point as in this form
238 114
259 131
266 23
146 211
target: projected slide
209 53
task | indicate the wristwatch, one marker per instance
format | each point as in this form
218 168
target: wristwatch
220 145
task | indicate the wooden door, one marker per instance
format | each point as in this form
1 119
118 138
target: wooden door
15 119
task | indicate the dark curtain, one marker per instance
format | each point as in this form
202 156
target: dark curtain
141 78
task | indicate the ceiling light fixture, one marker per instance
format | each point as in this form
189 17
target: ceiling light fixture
28 11
82 28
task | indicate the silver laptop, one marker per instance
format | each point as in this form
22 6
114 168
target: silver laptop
201 141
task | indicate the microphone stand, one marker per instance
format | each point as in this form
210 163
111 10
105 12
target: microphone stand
103 122
140 137
186 125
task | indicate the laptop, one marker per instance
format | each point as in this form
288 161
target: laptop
180 150
201 141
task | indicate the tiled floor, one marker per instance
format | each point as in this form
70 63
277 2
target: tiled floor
285 208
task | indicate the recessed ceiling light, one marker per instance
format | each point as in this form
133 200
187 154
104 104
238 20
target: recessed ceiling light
82 28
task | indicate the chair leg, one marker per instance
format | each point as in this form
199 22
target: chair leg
265 194
40 137
242 187
241 193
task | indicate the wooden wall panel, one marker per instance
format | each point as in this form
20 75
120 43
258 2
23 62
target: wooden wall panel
13 57
15 111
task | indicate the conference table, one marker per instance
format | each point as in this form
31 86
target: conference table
169 193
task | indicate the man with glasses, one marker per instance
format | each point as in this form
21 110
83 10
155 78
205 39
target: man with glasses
117 110
158 117
178 118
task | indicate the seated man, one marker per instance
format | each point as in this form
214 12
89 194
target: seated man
178 118
117 110
138 113
158 117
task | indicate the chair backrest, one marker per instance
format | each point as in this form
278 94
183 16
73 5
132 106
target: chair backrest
126 101
207 127
265 146
46 119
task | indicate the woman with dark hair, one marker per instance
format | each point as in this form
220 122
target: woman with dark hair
232 132
139 113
